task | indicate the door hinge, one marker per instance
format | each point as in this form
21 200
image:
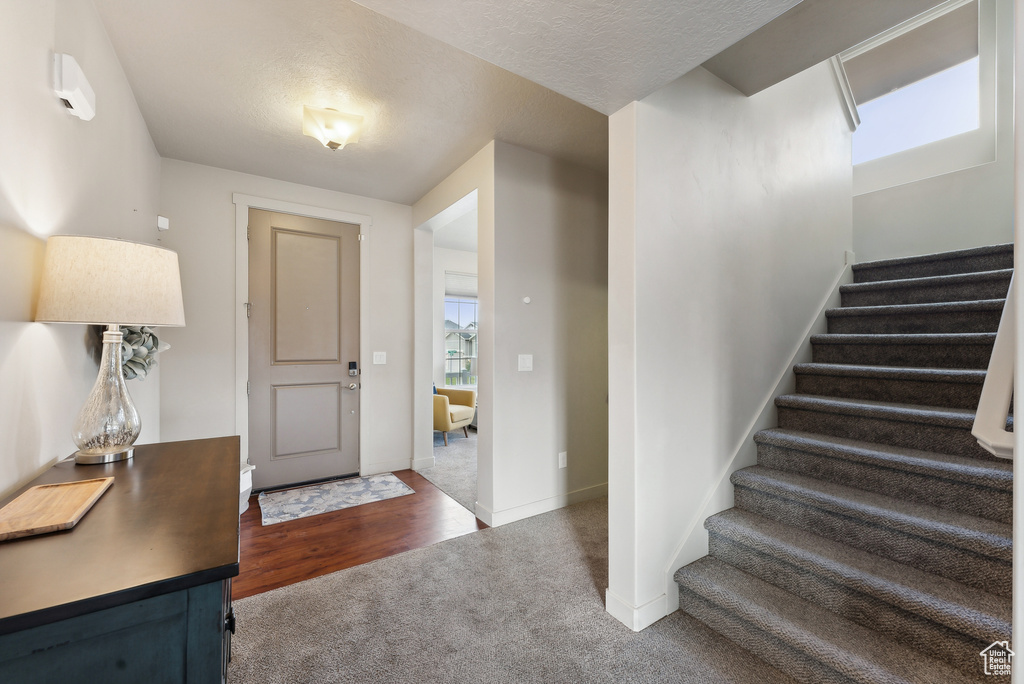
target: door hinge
248 309
247 388
247 232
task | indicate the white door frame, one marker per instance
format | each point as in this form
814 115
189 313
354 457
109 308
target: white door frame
243 203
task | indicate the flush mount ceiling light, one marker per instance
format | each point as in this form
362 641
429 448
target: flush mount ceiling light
332 128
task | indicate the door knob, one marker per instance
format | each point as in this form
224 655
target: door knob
353 386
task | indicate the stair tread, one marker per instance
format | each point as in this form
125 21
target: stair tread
980 535
927 281
941 256
916 413
992 474
855 651
966 609
908 309
966 376
904 338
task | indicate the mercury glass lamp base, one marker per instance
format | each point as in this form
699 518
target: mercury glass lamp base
92 459
108 424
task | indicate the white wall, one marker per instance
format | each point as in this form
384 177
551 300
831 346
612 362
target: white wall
968 208
198 390
59 174
729 220
550 244
458 261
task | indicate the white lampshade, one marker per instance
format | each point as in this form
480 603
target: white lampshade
110 282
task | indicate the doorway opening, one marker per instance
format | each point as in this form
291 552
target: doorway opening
455 351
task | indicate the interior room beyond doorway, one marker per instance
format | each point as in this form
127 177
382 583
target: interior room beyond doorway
455 353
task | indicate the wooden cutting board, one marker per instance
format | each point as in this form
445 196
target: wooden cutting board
51 507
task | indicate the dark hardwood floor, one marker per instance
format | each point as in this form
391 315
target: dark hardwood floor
289 552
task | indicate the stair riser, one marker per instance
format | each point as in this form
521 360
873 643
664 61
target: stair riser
974 264
983 502
982 289
939 641
983 572
761 643
912 323
943 394
939 438
968 356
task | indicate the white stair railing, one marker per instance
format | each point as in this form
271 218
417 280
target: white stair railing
994 407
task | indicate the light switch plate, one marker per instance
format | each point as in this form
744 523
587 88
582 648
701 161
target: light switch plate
380 358
526 362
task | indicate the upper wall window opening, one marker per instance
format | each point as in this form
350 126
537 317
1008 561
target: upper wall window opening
919 83
934 108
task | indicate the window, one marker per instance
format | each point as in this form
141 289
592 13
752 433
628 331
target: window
460 341
925 94
932 109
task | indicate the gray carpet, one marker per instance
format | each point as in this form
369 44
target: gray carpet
518 603
454 469
872 542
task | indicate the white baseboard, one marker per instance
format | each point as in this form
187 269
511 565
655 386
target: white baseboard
385 467
509 515
423 463
483 513
635 617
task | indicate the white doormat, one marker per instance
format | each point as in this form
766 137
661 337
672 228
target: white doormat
292 504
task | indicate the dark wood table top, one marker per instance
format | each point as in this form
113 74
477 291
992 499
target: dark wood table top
168 522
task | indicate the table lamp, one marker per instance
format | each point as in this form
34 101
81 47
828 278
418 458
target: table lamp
108 282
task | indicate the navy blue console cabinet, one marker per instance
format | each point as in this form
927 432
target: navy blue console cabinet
139 591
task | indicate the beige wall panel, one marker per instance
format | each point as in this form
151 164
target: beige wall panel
307 282
306 419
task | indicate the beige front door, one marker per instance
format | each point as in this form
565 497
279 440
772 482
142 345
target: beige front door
303 342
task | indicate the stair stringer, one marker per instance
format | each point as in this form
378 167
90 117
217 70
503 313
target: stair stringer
694 542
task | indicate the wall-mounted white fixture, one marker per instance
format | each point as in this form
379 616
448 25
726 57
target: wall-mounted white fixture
163 223
332 128
72 87
526 300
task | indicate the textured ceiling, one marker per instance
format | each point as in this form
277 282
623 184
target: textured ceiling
603 53
223 84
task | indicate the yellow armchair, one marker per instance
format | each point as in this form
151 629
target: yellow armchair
454 409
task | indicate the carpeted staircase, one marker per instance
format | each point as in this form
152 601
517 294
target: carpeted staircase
872 541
